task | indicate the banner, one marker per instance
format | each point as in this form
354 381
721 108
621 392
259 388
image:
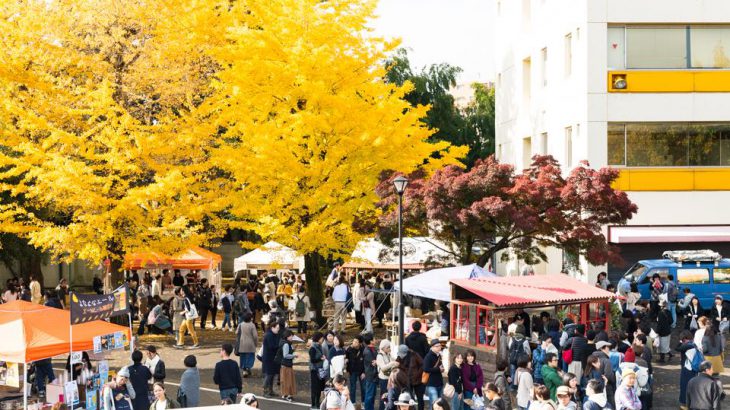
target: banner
9 375
85 308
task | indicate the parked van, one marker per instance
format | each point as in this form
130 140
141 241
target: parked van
705 273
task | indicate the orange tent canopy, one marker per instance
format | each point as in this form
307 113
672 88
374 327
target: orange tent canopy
33 332
193 258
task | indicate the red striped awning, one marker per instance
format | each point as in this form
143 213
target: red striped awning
530 290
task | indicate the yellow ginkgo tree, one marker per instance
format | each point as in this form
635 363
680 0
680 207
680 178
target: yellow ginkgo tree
312 125
97 100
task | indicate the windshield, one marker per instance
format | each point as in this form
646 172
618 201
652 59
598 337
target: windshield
635 272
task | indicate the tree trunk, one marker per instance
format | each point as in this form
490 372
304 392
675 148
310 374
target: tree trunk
315 268
31 266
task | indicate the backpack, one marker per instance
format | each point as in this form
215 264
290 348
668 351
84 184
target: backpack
616 358
538 359
672 292
300 308
697 359
514 351
630 356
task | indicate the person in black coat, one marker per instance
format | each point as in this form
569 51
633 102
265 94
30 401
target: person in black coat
269 366
139 376
417 341
204 300
694 312
719 313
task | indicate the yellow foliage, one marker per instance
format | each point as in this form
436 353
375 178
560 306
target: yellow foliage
133 125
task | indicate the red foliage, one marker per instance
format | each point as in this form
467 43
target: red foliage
494 208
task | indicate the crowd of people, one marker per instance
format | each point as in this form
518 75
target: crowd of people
572 365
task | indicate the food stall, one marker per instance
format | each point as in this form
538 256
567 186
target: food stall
482 309
204 263
34 332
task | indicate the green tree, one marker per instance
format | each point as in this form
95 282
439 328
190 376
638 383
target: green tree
472 126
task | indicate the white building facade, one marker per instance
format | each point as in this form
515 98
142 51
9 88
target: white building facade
641 86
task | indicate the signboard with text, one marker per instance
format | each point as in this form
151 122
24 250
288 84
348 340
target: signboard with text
85 308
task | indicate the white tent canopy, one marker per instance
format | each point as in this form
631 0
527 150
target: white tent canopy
271 255
434 284
417 253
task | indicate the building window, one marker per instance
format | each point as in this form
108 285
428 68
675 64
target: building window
543 66
526 81
568 146
544 143
616 48
526 152
568 54
661 47
668 144
668 46
710 47
526 12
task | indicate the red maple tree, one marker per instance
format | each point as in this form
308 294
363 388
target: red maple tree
490 208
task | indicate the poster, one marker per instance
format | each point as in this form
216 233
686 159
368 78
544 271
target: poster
91 399
118 340
9 375
97 344
103 368
85 308
71 391
75 357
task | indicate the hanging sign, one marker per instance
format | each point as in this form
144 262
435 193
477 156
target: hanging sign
85 308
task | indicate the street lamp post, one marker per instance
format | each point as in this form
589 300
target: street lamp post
400 184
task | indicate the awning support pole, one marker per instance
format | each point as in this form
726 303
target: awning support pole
25 386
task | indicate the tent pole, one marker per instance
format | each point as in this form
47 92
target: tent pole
131 334
25 386
71 342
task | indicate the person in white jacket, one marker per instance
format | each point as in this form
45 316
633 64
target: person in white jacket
386 364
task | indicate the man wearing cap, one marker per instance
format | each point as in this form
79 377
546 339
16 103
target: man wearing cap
704 391
603 350
411 363
626 397
564 402
433 366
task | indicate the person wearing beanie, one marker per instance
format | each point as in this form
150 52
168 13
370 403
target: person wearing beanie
385 367
626 397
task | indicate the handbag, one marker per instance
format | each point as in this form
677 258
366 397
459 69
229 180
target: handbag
323 373
693 325
192 312
724 326
182 399
568 354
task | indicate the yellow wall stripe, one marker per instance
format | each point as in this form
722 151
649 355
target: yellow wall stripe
672 81
673 179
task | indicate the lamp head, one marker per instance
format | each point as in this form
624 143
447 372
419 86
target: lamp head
400 184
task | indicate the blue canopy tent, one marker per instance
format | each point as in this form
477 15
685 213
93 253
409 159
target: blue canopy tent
434 284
